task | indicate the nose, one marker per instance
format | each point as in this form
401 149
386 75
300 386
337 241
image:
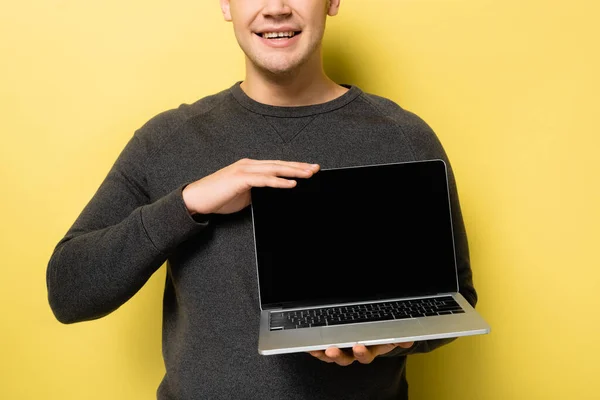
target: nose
276 8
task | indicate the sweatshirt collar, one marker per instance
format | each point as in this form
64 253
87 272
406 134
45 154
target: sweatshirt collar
293 112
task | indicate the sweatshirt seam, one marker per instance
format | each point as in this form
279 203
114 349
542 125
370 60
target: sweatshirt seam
161 142
264 117
383 114
290 140
312 119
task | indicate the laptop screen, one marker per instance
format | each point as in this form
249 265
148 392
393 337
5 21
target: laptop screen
355 234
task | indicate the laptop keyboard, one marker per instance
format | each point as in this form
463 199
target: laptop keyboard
359 313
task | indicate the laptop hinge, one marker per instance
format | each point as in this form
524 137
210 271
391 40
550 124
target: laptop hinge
275 307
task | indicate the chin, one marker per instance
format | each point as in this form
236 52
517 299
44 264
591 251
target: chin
280 68
277 64
279 71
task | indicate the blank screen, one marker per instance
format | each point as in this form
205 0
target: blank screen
354 234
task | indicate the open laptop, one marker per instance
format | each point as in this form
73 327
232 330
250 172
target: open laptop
359 255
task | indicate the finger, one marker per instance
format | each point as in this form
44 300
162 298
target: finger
293 164
339 357
381 349
270 181
363 354
296 164
281 170
321 356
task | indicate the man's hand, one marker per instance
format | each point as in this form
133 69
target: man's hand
228 190
362 354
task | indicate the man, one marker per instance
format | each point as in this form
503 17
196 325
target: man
179 192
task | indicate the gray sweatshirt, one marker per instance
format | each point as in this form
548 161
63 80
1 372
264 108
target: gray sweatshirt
137 221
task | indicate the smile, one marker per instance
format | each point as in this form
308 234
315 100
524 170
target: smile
278 35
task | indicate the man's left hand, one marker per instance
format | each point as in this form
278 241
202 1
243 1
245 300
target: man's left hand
361 353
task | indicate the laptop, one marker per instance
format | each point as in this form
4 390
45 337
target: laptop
360 254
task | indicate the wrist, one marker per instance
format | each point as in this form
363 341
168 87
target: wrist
187 200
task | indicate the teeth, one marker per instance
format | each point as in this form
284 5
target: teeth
275 35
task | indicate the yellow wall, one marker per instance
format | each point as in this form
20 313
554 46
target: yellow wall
510 86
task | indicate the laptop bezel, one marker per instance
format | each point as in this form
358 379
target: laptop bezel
313 303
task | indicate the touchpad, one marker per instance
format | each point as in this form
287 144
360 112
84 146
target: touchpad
394 331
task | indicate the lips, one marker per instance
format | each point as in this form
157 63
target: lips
279 37
277 32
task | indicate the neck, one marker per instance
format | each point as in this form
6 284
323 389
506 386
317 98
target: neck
306 85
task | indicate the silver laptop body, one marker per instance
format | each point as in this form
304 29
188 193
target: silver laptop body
359 255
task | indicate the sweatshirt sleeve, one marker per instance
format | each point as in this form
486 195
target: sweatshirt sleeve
118 241
426 146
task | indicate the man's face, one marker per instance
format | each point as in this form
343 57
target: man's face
279 35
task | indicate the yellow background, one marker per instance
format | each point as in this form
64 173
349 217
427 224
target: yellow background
510 86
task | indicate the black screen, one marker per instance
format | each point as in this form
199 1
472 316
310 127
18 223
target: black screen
359 233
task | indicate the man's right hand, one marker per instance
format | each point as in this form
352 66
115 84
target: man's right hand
228 190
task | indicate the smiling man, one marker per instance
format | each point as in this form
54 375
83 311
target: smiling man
180 192
282 41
